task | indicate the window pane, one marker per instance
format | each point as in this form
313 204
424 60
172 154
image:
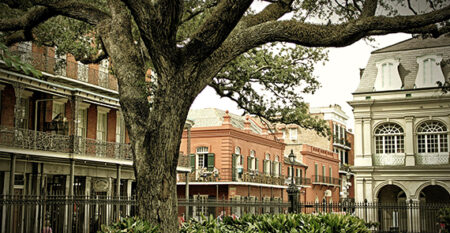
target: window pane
444 143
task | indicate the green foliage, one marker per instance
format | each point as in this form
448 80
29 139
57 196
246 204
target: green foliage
15 62
289 223
444 217
269 82
279 223
130 225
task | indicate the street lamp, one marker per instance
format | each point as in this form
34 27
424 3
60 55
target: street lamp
292 189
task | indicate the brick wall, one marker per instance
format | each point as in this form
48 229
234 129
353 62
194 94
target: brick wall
7 108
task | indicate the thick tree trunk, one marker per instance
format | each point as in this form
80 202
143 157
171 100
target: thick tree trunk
156 151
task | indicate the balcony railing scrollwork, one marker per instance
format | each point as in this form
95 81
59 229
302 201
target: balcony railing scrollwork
52 142
325 180
389 159
432 159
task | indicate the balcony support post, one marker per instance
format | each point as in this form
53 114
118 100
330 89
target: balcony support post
75 105
12 171
188 153
118 191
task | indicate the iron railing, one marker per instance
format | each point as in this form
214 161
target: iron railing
432 159
325 180
48 141
79 214
70 69
389 159
241 175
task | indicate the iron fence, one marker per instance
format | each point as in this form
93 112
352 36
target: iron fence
78 214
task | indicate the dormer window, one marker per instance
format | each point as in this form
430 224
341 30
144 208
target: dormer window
293 134
429 72
388 77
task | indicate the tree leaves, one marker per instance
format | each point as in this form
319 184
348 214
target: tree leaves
16 63
269 82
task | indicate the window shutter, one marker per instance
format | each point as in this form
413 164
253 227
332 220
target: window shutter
257 165
272 167
233 166
192 157
264 166
249 163
211 161
279 169
241 160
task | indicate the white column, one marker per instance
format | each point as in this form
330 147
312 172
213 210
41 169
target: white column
367 138
409 142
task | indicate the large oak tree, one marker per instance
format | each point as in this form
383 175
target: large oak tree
191 44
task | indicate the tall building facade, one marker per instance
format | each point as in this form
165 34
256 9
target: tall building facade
62 135
402 119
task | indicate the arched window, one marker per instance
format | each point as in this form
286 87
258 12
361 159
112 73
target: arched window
237 150
267 163
389 139
432 137
277 166
252 160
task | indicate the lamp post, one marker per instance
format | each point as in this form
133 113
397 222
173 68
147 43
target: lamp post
292 189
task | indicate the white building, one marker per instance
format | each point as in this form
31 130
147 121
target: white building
402 119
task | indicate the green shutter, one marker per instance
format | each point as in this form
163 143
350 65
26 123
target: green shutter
257 164
241 160
249 162
211 161
233 166
192 157
264 166
279 168
272 167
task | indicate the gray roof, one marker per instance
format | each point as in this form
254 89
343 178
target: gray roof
406 52
210 117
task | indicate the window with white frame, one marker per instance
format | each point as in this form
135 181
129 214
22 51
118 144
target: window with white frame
388 77
429 72
252 160
432 137
81 127
389 139
101 125
202 157
239 160
284 134
120 128
277 166
293 133
267 164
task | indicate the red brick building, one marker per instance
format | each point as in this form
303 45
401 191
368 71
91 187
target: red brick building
232 157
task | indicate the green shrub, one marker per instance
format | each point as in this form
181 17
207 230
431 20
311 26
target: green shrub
130 225
289 223
444 217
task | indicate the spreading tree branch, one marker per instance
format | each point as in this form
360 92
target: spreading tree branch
215 29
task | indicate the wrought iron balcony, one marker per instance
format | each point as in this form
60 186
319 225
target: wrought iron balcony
183 161
432 159
45 141
241 175
70 69
389 159
325 180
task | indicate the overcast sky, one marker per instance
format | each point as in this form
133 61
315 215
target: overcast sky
339 77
